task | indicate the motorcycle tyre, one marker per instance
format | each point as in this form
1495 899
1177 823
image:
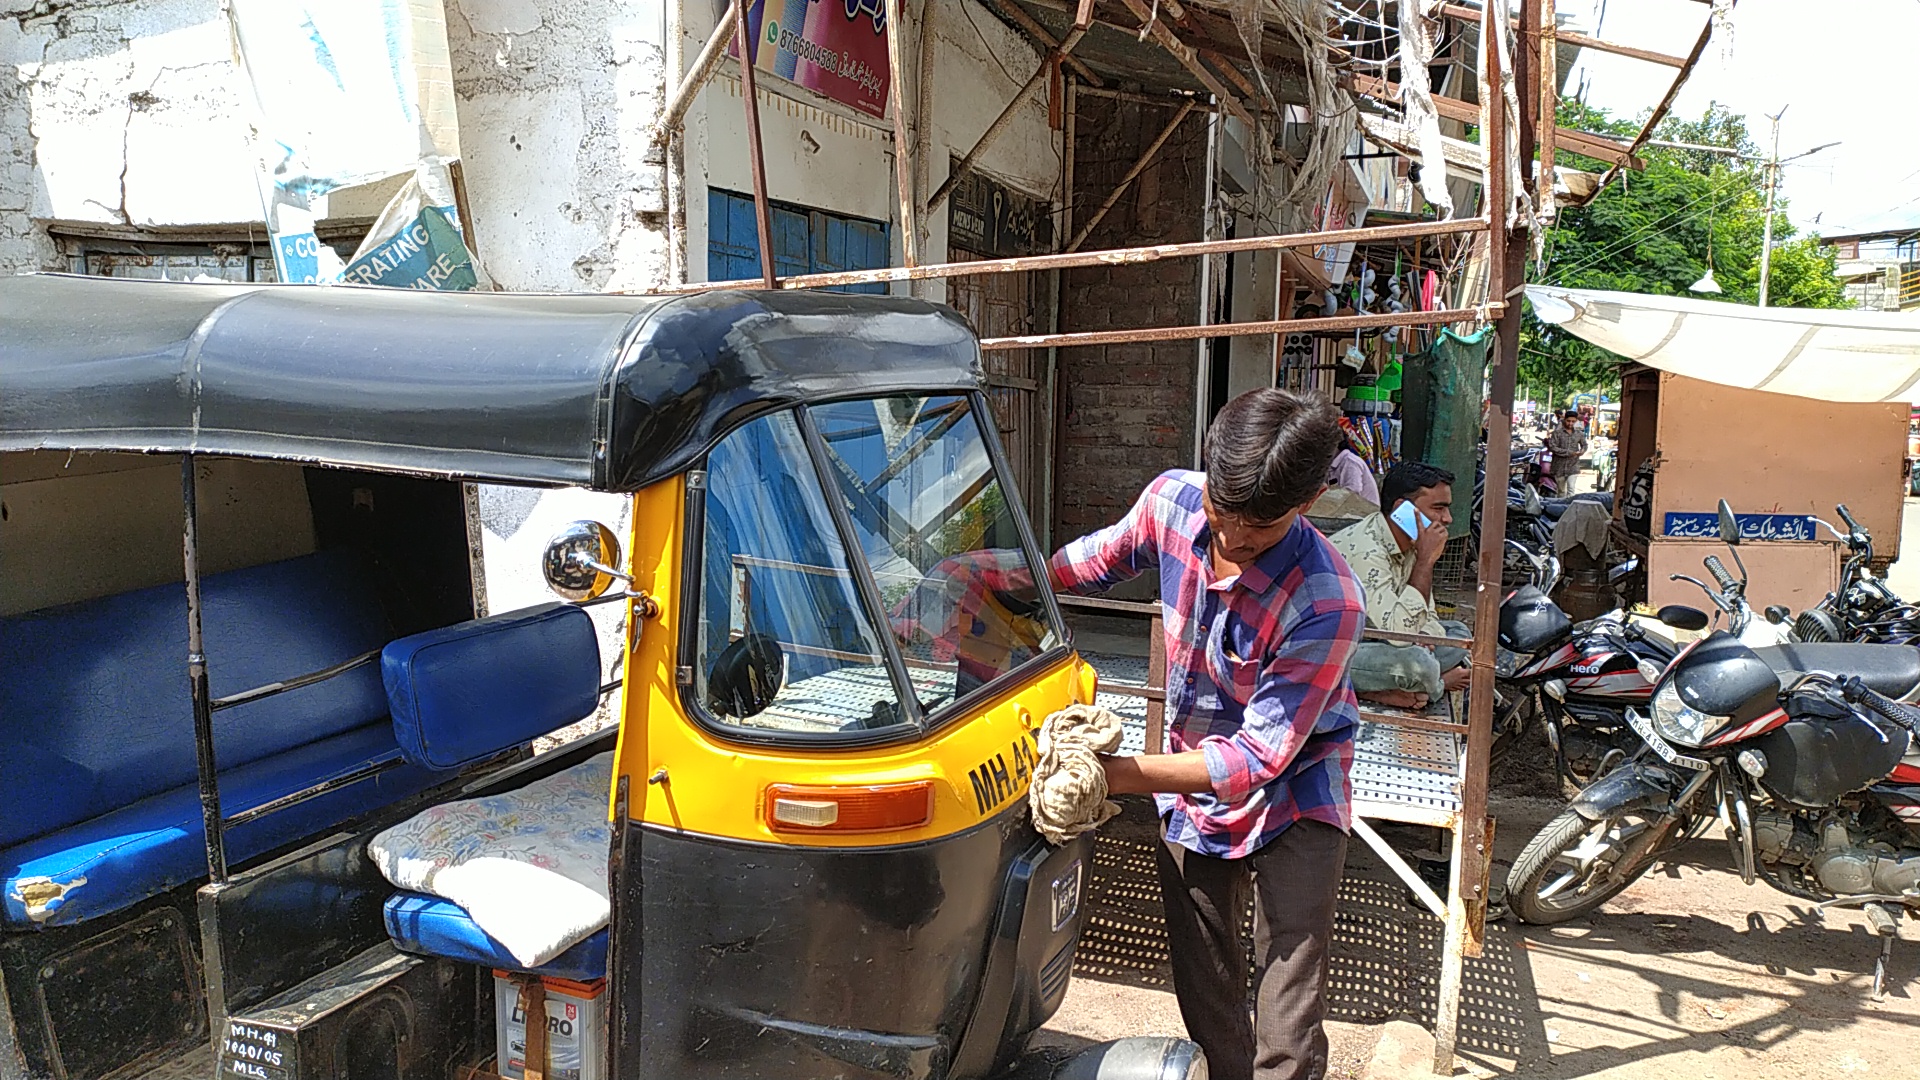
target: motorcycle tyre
1538 859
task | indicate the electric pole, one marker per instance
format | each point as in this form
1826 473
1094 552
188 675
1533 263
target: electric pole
1773 185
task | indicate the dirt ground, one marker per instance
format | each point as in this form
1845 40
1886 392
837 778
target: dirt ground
1688 973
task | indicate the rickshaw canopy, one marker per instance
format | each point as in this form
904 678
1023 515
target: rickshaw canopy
600 391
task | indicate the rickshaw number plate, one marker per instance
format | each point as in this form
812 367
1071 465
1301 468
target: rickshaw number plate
1066 896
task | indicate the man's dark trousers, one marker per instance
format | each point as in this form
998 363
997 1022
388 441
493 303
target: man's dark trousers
1293 881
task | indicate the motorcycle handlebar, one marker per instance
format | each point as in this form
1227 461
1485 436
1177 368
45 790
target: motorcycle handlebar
1861 694
1846 517
1720 574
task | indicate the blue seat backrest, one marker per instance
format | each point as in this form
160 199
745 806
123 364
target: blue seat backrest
470 690
95 711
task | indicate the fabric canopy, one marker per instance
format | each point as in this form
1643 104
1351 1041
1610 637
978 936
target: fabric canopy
1831 355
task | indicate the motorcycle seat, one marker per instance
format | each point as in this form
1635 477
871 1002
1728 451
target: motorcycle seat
1893 670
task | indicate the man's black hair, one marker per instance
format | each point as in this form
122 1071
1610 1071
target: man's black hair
1268 452
1408 479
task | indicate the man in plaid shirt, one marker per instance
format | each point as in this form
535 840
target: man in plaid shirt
1262 617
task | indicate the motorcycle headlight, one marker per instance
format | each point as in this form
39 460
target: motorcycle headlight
1676 722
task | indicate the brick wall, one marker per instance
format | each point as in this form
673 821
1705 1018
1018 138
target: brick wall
1127 410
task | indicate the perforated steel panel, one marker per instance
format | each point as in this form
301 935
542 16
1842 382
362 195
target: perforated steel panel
1404 774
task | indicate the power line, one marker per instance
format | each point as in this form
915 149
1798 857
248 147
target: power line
1648 230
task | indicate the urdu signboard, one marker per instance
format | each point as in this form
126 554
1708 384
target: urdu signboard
836 48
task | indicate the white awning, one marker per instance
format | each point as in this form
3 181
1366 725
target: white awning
1831 355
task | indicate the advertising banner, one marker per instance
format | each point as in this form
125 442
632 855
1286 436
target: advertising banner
348 92
836 48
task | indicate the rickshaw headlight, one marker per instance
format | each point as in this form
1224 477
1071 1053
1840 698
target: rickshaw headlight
1677 722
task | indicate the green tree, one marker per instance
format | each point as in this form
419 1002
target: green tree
1654 231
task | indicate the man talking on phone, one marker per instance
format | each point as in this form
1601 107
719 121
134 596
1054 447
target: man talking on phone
1393 553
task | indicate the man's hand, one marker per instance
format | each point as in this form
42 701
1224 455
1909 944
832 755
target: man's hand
1457 678
1430 543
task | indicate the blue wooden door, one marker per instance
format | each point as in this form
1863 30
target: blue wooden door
804 242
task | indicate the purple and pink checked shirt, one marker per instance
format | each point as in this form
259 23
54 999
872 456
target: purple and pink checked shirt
1256 666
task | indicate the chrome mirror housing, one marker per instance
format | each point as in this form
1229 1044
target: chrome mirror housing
582 561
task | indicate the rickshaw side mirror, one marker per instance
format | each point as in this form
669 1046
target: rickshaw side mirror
746 677
581 562
1729 526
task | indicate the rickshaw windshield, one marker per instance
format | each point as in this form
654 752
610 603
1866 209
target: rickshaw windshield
782 595
935 523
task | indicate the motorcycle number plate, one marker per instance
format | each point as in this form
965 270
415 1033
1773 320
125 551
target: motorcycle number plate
1643 727
1066 896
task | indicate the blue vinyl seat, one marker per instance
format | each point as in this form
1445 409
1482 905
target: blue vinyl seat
429 925
99 798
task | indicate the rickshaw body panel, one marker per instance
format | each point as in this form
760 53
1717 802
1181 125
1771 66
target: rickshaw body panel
925 952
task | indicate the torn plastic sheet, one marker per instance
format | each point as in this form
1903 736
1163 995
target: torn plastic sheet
1416 55
419 241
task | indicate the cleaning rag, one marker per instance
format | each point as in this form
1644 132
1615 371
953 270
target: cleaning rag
1069 791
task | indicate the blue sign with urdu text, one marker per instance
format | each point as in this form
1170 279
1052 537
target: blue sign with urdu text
1706 526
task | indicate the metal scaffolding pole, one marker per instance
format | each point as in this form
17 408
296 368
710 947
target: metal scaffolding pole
762 214
1104 257
902 148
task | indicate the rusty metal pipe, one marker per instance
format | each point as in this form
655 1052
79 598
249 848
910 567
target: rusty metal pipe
1105 257
762 214
1234 329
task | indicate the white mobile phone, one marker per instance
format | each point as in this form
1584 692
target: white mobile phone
1410 519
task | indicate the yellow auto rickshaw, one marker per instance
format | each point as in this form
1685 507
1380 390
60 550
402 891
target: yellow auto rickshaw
238 791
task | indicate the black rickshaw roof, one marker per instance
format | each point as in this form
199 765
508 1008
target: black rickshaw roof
610 392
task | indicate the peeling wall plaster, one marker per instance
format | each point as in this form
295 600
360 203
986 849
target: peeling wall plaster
554 122
132 114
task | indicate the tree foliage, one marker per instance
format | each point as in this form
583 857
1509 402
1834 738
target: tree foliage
1654 231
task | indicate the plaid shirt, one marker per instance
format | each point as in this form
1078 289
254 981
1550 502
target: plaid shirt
954 615
1256 666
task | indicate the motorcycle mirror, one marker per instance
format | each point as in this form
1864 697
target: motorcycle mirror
1729 526
1682 617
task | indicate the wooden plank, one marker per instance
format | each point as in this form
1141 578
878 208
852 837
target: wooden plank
1594 146
1190 60
1045 42
1461 11
902 147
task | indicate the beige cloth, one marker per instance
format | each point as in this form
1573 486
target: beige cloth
1069 791
1584 523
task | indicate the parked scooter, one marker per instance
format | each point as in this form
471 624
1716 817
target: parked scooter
1806 750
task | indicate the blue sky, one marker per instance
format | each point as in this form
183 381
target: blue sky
1845 72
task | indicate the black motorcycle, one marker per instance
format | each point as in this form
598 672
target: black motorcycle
1804 751
1864 607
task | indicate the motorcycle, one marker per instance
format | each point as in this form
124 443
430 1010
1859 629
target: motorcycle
1863 608
1576 679
1805 753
